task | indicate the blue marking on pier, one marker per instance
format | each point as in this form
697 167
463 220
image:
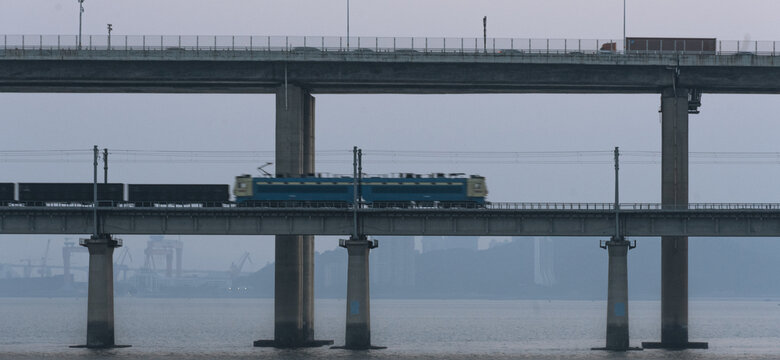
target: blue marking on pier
354 308
620 309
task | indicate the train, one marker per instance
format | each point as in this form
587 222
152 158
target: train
402 190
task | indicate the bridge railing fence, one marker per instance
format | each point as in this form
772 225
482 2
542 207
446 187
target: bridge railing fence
377 45
532 206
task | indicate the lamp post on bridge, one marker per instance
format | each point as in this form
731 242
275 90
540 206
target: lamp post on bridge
484 34
81 11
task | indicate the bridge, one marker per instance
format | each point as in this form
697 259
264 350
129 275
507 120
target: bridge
294 68
260 64
497 219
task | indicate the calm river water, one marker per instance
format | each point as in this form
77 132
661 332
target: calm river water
411 329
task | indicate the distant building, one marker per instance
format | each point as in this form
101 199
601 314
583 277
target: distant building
333 273
393 262
544 261
437 243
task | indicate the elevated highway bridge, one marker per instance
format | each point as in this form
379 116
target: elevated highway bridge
260 64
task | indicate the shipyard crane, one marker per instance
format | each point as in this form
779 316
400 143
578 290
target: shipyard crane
44 271
235 270
120 266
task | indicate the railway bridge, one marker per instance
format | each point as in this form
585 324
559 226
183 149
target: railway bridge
496 219
295 68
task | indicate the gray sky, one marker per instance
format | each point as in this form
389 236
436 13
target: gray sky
516 123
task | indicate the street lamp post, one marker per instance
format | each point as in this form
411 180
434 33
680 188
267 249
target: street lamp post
625 45
347 24
81 11
109 35
484 34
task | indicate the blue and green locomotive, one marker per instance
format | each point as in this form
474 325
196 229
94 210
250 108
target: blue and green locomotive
404 190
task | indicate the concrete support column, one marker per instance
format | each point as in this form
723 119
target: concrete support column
307 242
617 295
358 330
100 301
674 249
294 275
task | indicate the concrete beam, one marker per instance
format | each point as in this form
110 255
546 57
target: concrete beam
411 76
444 222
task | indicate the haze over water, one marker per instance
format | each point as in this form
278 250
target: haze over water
411 329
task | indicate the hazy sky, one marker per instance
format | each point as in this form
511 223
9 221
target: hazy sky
516 123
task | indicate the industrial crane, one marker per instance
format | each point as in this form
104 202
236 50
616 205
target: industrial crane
44 271
235 270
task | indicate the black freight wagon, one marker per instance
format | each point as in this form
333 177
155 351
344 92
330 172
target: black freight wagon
81 193
151 194
7 193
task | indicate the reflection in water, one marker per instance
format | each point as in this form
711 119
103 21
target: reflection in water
412 329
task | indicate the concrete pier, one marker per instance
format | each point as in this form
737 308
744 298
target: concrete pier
617 296
674 249
358 330
294 276
100 301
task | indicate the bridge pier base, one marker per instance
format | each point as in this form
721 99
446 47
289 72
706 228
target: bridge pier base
674 249
617 295
294 276
100 298
358 329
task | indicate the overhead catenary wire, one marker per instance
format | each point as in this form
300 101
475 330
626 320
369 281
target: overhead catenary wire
573 157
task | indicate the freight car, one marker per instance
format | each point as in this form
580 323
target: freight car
157 194
7 192
403 190
43 194
71 193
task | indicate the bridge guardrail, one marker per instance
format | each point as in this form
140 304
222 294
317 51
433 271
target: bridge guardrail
368 46
541 206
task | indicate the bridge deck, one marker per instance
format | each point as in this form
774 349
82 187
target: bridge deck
241 65
738 220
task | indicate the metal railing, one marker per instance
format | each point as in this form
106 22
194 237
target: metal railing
368 46
541 206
